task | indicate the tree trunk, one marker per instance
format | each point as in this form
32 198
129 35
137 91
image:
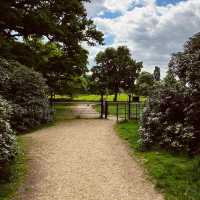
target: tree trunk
115 97
51 99
101 97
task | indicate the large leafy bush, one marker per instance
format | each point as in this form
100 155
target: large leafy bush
27 91
172 120
7 136
165 123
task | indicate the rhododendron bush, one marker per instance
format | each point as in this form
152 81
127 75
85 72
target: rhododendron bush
172 118
26 90
7 136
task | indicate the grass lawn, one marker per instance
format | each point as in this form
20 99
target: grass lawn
177 176
94 97
16 173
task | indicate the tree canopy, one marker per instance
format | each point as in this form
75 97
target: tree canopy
48 36
115 69
156 73
59 21
185 65
144 83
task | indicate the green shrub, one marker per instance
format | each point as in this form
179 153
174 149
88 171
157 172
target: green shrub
164 123
7 136
172 118
27 92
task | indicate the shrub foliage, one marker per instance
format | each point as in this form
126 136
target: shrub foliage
171 120
7 136
27 92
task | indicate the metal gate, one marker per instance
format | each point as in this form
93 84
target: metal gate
120 110
124 110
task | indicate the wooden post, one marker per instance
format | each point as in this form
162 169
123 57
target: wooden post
51 99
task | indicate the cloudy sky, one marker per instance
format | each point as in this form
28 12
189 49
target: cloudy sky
152 29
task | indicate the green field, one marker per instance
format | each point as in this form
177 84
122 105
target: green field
177 176
94 97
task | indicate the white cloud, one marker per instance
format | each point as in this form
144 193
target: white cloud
152 32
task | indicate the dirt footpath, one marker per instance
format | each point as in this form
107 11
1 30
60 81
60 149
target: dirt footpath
83 160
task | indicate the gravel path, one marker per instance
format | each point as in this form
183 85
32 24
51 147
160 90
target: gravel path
83 160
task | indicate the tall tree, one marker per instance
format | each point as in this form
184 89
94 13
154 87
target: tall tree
144 83
60 21
116 70
170 80
186 65
156 73
47 35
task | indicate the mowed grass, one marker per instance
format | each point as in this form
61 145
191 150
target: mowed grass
14 173
95 97
177 176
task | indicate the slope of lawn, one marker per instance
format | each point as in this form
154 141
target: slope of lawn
177 176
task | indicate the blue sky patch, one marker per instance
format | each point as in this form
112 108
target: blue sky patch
110 15
166 2
109 39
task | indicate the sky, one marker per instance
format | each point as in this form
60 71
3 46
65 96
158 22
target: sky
152 29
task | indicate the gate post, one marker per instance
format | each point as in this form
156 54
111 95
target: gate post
129 107
117 112
102 108
106 109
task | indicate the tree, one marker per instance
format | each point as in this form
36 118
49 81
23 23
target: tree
156 73
59 21
185 65
48 36
115 70
170 80
144 83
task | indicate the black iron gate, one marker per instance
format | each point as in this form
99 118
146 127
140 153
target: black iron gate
120 110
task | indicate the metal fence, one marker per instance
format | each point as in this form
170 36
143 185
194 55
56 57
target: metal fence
121 110
125 110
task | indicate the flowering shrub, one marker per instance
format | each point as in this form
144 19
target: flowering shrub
7 136
27 91
172 119
165 123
